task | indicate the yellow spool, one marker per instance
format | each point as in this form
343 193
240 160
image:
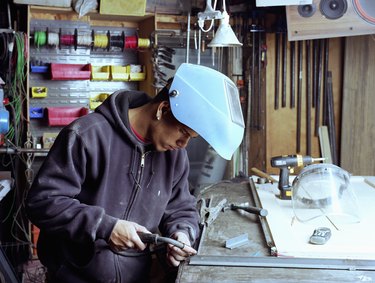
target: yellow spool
143 43
101 41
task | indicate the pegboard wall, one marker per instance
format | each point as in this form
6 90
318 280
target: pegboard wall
68 92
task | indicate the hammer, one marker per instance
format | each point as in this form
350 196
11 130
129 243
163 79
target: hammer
247 208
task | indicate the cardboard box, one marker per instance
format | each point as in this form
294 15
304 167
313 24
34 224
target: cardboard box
55 3
123 7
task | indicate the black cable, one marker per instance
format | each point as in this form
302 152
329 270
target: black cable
156 239
149 238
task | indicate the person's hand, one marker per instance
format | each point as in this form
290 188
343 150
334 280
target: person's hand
124 236
174 254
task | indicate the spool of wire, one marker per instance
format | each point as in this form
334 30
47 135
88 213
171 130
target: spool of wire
131 42
101 41
53 39
40 38
67 39
84 40
117 40
144 43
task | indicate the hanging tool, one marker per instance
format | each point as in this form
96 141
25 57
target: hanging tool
248 208
286 163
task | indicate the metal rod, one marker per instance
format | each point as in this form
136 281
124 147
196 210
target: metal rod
314 73
292 74
254 121
285 262
331 118
188 39
318 87
283 78
299 96
326 62
263 221
259 65
308 99
277 71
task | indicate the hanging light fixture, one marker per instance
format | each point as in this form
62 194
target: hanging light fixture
224 36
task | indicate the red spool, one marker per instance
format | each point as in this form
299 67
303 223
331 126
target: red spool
67 39
131 42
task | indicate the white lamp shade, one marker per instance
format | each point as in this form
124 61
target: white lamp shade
224 36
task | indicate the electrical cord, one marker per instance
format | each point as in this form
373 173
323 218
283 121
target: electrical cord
156 239
148 238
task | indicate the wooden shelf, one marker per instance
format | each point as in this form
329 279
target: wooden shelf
60 13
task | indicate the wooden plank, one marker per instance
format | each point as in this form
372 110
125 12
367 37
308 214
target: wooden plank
358 120
325 144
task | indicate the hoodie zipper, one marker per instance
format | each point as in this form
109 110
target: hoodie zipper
137 184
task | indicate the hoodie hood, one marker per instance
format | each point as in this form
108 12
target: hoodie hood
115 109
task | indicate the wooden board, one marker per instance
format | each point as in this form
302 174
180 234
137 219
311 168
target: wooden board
348 240
358 115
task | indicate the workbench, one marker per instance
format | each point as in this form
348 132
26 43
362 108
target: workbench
255 261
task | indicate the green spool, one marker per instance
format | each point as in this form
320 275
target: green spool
40 38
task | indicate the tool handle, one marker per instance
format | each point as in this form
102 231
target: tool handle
156 239
251 209
260 173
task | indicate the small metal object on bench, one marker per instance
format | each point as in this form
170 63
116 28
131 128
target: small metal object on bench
320 236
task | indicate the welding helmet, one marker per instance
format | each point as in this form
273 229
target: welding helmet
322 192
208 102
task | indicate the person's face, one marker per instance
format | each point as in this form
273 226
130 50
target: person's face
169 133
